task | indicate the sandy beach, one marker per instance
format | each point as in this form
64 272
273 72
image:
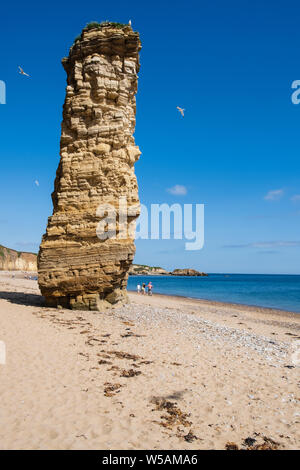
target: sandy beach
159 373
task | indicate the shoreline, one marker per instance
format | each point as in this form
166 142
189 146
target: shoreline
265 293
198 301
217 303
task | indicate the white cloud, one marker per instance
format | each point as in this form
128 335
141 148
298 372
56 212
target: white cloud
177 190
274 195
295 198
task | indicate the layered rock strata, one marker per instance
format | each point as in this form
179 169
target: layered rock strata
78 266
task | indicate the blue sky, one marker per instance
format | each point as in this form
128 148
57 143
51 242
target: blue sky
229 64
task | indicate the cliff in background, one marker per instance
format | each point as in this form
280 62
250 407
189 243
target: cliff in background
144 270
12 260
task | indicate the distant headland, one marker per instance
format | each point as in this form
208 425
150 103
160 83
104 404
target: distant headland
144 270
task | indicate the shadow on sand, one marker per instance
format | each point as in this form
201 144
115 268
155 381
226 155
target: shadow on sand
21 298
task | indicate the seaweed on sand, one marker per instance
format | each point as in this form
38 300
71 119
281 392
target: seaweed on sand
174 415
130 373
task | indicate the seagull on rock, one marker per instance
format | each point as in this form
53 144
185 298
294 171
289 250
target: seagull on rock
21 71
129 22
181 110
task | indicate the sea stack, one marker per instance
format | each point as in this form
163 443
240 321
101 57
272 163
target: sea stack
78 266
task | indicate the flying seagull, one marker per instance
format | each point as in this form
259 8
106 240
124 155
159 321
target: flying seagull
21 71
37 183
181 110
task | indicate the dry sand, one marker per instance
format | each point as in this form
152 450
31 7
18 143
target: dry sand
159 373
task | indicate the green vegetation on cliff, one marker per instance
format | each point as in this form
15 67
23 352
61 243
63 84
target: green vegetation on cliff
13 260
96 25
143 269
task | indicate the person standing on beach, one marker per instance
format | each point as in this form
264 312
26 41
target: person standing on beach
150 286
143 288
138 288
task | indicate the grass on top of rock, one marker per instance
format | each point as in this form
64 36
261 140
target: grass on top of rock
139 267
96 25
8 251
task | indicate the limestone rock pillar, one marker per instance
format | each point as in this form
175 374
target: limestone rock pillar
77 267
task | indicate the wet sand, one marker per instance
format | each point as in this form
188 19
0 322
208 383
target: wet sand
159 373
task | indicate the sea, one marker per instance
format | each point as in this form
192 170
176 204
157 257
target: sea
264 290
